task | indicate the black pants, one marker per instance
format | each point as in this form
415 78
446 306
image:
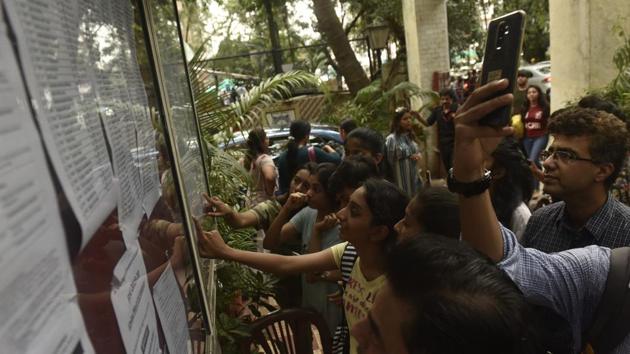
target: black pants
446 153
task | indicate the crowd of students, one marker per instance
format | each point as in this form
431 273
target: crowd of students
423 269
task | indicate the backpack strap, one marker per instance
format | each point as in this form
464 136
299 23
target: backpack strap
312 157
348 258
611 322
341 338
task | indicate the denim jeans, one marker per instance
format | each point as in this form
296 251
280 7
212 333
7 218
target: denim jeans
533 147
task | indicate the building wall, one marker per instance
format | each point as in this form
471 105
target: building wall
582 45
427 51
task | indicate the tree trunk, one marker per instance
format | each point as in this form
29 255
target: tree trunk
330 26
274 36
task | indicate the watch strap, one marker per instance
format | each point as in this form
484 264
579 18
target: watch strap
468 189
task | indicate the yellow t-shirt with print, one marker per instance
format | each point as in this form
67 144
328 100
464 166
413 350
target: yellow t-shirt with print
358 297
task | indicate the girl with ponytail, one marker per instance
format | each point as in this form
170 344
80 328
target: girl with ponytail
261 167
298 153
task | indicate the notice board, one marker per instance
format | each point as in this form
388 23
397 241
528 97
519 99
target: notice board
101 174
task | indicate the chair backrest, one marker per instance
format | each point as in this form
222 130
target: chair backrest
288 331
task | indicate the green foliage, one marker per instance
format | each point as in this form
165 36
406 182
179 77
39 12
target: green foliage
271 90
228 177
619 89
536 41
245 113
374 105
239 285
192 15
464 27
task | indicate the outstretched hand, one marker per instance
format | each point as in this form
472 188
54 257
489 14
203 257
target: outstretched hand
473 142
210 243
216 207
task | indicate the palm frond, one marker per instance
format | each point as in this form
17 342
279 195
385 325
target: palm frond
271 90
366 95
227 176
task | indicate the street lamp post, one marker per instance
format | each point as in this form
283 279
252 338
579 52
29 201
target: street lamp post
378 34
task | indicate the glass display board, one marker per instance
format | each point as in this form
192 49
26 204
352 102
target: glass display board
101 175
177 101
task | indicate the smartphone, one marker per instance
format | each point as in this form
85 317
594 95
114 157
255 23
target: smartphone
501 60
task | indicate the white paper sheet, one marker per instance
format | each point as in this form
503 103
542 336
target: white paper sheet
172 312
38 304
109 80
65 107
131 299
147 150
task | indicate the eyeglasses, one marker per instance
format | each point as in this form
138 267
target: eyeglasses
562 155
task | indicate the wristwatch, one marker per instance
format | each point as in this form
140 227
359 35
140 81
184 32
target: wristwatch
468 189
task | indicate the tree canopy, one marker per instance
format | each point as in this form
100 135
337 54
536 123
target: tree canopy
467 25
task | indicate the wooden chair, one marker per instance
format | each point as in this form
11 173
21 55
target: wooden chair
288 331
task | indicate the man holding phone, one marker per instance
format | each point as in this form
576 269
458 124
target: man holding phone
570 282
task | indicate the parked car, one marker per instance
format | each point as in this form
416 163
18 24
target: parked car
278 137
541 75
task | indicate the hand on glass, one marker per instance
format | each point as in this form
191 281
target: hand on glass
216 207
210 243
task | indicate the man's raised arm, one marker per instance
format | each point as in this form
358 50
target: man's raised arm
479 224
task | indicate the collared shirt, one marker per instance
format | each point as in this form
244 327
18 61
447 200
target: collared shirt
549 230
570 282
446 125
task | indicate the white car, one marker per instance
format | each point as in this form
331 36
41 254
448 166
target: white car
541 75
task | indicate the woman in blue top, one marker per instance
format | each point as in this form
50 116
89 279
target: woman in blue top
298 154
402 153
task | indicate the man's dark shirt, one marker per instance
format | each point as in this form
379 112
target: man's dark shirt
548 229
519 98
446 126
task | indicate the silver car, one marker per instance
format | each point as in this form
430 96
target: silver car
541 75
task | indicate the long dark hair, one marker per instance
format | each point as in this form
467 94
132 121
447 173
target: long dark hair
542 102
387 205
517 184
394 126
324 172
255 146
298 130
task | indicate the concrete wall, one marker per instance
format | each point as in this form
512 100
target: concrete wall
427 50
582 45
427 39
